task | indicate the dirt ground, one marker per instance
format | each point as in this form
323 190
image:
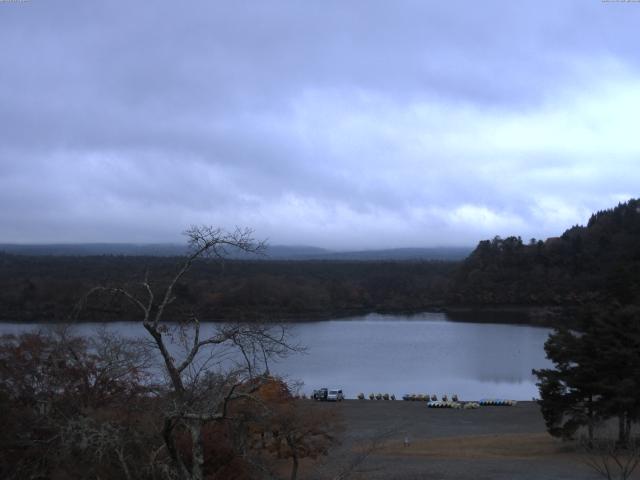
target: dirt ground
496 443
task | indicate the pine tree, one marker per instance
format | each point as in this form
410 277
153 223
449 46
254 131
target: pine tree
617 334
596 374
569 393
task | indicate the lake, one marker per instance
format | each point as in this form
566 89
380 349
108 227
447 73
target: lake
424 353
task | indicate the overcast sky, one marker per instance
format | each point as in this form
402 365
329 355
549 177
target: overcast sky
342 124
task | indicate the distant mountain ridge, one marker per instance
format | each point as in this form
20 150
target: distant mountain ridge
426 253
90 249
274 252
561 277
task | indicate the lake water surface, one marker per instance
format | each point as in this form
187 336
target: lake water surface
399 354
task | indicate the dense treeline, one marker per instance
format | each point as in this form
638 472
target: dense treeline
598 263
46 288
594 264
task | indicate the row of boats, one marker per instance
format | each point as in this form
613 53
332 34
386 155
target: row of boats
454 405
433 402
485 402
445 402
419 397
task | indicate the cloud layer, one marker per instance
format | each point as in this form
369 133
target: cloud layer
340 124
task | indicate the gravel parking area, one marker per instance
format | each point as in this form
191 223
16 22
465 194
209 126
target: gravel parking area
488 443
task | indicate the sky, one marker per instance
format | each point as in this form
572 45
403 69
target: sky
345 124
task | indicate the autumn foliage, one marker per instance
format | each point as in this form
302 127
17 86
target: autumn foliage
74 407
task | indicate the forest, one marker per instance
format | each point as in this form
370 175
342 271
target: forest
594 264
46 288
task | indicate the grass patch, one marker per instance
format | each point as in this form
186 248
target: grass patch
508 446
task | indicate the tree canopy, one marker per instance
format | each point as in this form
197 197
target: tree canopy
596 374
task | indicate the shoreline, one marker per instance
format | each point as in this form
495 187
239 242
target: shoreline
536 316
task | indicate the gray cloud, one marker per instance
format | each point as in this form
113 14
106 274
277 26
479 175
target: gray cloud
355 124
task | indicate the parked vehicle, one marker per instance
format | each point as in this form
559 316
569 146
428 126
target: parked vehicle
321 394
335 396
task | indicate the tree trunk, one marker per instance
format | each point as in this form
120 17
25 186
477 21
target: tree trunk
591 420
197 452
623 436
294 458
294 467
123 464
167 435
174 374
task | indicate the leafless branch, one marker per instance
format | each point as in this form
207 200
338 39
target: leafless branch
610 459
197 395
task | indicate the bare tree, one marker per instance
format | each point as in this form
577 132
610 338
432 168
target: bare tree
610 459
197 396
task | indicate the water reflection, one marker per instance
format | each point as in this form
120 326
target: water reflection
401 354
422 354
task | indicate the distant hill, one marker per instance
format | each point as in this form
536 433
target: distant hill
274 252
592 264
91 249
435 253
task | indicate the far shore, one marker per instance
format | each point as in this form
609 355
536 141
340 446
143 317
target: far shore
540 316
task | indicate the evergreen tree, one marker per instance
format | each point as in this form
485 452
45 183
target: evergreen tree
569 392
596 375
617 335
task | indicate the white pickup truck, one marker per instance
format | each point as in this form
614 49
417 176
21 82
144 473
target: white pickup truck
335 396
